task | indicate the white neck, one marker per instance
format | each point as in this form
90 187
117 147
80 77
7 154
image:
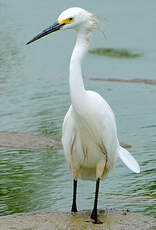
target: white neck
77 90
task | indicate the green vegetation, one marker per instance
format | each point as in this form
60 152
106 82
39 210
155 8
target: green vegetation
115 53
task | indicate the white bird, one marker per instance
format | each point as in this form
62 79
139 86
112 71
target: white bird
89 134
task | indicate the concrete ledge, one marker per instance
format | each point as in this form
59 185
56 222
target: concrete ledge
112 220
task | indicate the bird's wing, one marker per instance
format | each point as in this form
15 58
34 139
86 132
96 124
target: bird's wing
103 120
108 133
68 134
128 160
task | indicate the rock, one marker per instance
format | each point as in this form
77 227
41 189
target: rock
27 141
126 146
112 220
133 80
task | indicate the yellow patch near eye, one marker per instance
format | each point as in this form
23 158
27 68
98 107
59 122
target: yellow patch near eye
66 21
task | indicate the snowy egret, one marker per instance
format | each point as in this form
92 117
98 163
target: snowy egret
89 134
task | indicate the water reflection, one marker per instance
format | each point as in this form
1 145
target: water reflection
28 180
9 58
36 180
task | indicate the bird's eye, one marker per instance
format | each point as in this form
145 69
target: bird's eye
70 19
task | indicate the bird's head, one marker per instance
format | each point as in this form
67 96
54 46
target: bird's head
77 18
72 18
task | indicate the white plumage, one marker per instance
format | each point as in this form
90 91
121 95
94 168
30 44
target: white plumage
87 140
89 133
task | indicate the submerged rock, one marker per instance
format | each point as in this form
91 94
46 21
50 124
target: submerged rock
27 141
112 220
116 53
133 80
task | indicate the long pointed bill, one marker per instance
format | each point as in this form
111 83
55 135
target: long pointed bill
56 26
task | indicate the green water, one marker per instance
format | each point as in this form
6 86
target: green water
34 97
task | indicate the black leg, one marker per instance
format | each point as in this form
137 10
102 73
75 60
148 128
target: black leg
94 212
74 207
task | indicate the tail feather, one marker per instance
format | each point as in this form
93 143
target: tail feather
128 160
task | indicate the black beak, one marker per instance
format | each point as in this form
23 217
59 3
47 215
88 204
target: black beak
56 26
